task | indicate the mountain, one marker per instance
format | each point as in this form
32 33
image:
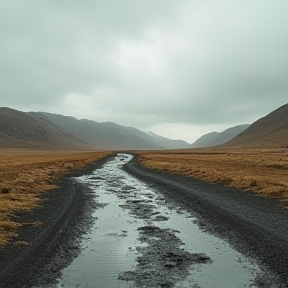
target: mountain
40 130
218 138
22 130
169 143
53 131
205 140
269 131
107 136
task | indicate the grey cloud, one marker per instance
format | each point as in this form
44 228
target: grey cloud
145 62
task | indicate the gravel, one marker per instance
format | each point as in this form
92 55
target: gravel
254 225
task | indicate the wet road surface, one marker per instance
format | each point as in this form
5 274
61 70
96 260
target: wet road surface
139 240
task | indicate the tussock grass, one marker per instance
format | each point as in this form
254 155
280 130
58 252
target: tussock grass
263 171
24 175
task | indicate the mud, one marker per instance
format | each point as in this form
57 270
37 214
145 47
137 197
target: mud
163 262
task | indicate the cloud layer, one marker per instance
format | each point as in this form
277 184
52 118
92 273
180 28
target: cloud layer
180 68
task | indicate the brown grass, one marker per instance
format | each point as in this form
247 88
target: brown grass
263 171
24 175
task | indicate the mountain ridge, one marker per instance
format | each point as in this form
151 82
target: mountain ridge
218 138
268 131
19 129
42 130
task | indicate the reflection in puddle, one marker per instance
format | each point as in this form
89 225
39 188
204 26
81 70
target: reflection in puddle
117 248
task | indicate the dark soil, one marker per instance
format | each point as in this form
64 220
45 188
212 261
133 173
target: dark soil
65 214
162 262
256 226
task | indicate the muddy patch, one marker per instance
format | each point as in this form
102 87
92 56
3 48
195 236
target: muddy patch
162 262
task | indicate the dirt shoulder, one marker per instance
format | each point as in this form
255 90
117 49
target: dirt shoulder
256 226
263 171
65 215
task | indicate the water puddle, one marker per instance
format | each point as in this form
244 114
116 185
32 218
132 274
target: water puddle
138 240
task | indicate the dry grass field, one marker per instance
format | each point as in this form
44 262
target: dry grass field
25 174
263 171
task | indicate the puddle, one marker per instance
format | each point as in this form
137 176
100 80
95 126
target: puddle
138 240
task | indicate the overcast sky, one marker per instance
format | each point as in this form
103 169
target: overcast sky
180 68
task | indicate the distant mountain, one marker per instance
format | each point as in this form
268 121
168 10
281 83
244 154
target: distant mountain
205 140
169 143
218 138
53 131
22 130
269 131
108 135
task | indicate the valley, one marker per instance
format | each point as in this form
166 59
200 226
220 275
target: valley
145 228
67 183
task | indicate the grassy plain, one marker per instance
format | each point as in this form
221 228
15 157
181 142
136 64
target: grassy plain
264 171
24 175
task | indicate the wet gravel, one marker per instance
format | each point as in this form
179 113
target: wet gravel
254 225
162 262
145 239
66 215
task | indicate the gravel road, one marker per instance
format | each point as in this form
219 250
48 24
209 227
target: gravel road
256 226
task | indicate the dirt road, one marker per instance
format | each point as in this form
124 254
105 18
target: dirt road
255 225
65 214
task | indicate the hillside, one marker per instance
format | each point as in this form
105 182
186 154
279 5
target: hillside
21 130
269 131
218 138
107 136
54 131
169 143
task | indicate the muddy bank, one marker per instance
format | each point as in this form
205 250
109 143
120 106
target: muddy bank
254 225
65 214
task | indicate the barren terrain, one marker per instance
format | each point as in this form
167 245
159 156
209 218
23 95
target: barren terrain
24 175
